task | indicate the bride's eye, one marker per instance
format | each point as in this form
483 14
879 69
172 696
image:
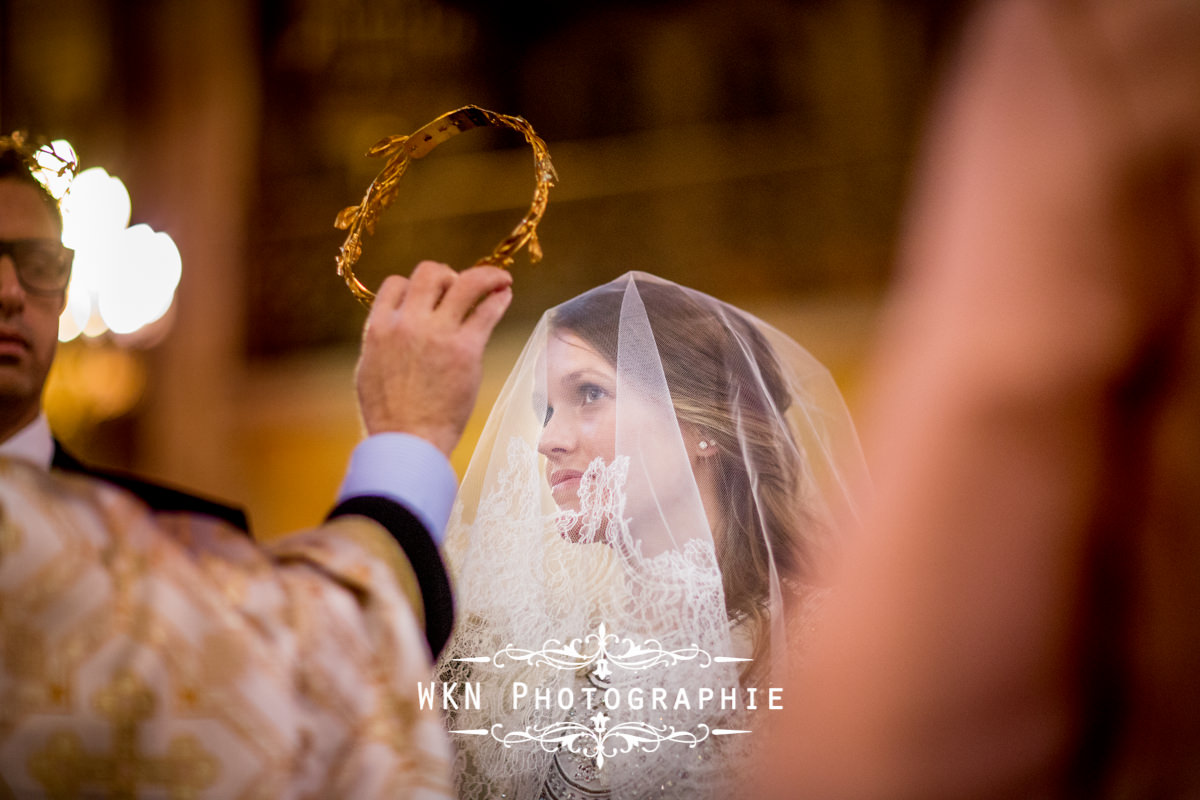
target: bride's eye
540 406
590 393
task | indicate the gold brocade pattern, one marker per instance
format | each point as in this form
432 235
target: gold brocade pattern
65 767
137 662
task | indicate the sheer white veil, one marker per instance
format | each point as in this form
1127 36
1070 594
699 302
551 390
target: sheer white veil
702 463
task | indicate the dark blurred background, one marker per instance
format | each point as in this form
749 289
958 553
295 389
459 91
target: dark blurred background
759 151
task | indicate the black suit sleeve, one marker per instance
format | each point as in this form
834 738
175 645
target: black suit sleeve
156 495
422 553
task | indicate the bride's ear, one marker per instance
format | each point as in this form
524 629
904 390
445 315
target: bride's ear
700 443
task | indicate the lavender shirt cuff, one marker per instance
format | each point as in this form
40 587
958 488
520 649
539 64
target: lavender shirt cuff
408 470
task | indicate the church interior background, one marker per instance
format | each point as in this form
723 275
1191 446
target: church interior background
759 151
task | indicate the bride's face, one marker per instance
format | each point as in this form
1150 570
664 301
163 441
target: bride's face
581 416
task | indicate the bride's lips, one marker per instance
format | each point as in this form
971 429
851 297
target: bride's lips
561 478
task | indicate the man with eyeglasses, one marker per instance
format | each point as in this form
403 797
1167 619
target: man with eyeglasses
163 652
34 270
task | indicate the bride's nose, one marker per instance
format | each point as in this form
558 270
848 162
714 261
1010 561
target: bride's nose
558 436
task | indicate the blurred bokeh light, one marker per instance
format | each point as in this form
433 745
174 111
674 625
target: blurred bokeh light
124 278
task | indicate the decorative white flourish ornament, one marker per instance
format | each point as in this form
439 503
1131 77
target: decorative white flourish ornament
574 656
601 742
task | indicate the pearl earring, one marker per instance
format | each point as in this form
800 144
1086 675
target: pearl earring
703 444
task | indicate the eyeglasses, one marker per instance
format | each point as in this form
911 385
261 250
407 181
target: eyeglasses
43 265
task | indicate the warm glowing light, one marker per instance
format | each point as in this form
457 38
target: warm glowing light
124 278
91 263
67 328
96 208
50 166
139 285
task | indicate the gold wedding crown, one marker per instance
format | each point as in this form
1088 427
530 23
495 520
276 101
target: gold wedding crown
399 150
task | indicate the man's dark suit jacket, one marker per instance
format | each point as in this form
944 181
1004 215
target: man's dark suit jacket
157 496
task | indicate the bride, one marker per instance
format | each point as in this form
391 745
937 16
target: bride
646 509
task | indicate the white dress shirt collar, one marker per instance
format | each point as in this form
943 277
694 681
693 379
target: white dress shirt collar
33 443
